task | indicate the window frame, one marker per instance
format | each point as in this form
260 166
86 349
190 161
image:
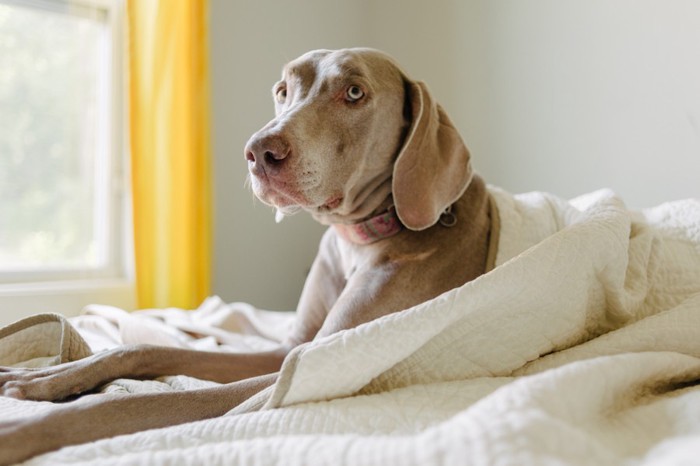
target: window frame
68 290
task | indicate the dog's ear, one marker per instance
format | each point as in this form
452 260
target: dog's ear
432 169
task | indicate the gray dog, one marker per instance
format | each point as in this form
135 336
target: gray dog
362 148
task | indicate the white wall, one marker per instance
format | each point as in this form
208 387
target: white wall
564 96
579 95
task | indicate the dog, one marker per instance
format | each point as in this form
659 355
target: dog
365 150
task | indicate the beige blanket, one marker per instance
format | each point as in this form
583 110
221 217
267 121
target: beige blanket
581 347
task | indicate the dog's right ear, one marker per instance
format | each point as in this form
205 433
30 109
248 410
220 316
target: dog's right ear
432 169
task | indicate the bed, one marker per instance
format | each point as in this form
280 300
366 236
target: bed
581 347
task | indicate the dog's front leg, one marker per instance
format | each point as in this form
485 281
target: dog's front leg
102 416
59 382
137 362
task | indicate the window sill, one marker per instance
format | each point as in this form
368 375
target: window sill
20 300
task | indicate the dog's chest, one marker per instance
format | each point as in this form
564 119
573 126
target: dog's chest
354 258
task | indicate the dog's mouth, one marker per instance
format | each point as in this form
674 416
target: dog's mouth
288 197
275 194
331 203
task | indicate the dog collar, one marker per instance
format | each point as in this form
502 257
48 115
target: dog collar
382 226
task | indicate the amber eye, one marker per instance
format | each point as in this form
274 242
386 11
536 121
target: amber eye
281 95
354 93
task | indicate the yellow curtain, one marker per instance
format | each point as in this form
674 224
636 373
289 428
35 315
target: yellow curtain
170 153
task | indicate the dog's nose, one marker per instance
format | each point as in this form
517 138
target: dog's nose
267 152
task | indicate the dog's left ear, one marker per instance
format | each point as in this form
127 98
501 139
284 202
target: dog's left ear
432 169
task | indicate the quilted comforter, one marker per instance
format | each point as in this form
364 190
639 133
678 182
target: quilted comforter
581 347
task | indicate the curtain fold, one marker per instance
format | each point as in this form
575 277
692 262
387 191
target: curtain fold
170 152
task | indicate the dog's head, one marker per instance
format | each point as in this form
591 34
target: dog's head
350 131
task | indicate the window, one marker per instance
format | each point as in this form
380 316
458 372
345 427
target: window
62 183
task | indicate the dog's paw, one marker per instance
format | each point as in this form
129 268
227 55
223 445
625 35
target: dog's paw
46 384
20 383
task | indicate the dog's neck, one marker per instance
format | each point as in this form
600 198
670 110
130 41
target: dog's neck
378 226
383 223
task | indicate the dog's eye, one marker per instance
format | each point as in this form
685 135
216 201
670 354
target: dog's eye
281 94
354 93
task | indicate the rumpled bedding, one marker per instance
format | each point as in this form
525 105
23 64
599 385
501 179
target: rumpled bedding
581 347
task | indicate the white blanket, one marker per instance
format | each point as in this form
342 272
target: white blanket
581 347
